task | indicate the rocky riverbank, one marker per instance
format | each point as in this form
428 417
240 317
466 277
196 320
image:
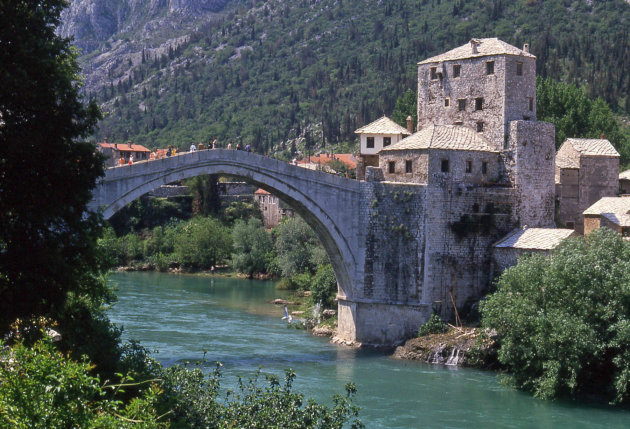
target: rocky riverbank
470 347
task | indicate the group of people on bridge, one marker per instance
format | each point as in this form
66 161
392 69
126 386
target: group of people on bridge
172 151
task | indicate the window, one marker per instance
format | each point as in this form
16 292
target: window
479 103
408 166
370 142
526 118
387 141
391 167
468 166
484 167
461 104
447 102
531 104
490 67
434 73
457 70
458 123
445 166
519 68
480 127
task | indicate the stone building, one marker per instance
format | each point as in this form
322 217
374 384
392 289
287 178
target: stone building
609 212
526 240
375 136
272 208
624 182
586 170
114 151
481 161
483 85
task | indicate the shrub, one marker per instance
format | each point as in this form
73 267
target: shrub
434 325
324 287
564 321
253 247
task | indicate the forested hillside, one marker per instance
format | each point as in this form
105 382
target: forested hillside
266 71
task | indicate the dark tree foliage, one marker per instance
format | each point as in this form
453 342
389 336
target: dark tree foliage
406 105
47 243
207 199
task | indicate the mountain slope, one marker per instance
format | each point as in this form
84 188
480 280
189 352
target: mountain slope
266 71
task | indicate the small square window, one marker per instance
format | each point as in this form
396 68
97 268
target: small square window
370 142
457 70
468 166
519 68
461 104
387 141
531 104
447 102
479 103
445 166
490 67
480 127
458 123
484 167
391 167
434 73
408 166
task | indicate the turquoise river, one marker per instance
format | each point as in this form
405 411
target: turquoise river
181 316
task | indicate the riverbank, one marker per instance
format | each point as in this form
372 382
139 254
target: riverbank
467 347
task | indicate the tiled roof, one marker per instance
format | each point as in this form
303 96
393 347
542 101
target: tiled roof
624 175
593 147
261 191
567 161
447 137
382 125
485 47
124 147
615 209
347 158
534 238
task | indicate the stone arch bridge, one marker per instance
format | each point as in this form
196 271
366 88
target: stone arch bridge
370 231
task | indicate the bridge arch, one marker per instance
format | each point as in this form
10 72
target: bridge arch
321 199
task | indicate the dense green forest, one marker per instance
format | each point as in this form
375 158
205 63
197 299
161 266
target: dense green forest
320 69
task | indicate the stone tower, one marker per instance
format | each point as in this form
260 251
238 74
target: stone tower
482 85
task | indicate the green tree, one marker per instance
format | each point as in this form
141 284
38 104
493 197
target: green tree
575 115
297 247
564 321
48 257
253 247
202 243
207 200
406 105
324 287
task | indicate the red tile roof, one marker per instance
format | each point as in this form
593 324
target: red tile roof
261 191
347 158
124 147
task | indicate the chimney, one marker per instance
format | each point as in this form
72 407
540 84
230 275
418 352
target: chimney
473 45
129 143
105 140
116 146
410 124
526 48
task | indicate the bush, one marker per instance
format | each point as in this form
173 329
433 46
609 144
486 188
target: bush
202 243
253 247
324 287
41 388
434 325
564 321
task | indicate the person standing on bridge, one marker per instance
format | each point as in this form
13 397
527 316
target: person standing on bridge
131 159
121 161
248 148
193 148
238 146
229 146
214 143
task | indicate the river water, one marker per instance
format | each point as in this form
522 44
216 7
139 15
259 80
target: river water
181 316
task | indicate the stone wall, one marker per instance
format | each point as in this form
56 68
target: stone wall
505 94
532 169
461 223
